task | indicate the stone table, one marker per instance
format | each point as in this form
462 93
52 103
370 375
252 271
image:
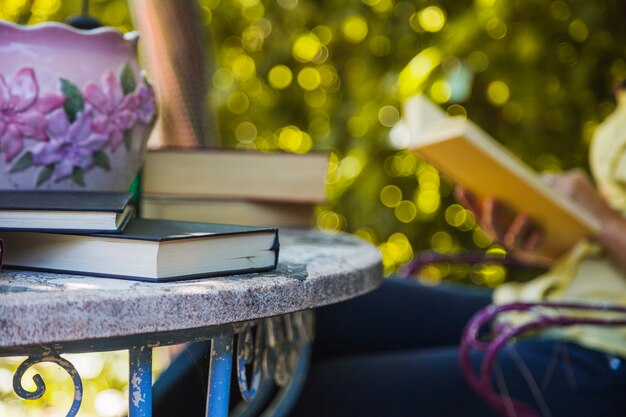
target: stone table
269 314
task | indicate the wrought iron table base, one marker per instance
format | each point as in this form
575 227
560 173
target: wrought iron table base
275 350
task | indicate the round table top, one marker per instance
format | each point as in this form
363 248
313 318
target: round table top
314 269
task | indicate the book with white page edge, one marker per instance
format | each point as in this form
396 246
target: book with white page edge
148 250
65 211
473 159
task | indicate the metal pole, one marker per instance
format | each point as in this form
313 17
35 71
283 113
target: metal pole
220 370
140 382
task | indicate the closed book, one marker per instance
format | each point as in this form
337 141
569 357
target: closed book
237 211
148 250
65 211
472 158
229 173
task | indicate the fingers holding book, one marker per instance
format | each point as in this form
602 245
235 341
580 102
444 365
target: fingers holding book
476 161
518 232
515 231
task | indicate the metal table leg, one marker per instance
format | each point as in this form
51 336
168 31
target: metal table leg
140 381
219 376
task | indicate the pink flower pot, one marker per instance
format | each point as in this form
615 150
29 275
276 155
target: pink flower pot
75 112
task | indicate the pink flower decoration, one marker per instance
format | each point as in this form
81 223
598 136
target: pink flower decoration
118 110
22 111
70 146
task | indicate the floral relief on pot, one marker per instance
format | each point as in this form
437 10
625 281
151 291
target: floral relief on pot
75 112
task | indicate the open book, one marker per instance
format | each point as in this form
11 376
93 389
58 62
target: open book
476 161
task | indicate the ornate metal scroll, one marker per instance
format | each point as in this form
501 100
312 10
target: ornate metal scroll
249 353
271 348
305 324
41 386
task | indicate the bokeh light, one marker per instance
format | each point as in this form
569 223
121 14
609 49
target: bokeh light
309 78
432 19
560 10
280 77
388 116
496 28
306 47
440 91
223 79
498 93
292 139
355 29
238 102
243 67
391 195
380 45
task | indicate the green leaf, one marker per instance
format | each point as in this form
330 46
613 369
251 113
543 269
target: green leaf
45 174
78 175
101 160
74 101
127 79
128 139
145 80
25 162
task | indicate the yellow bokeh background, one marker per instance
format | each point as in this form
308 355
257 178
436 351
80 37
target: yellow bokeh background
303 76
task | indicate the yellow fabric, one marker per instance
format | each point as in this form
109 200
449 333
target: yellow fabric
586 274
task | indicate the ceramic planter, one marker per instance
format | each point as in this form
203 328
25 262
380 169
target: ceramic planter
75 112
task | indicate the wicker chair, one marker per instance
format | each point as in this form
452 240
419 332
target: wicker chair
484 334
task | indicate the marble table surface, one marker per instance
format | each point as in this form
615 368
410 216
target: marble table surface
315 268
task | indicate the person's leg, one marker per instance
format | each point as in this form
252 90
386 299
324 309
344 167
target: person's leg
426 382
372 354
400 315
573 381
561 379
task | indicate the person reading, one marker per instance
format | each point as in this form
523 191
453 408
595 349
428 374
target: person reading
395 352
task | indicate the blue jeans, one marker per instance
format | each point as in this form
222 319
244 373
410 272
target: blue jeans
394 353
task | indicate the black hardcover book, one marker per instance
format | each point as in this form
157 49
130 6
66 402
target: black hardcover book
65 211
148 250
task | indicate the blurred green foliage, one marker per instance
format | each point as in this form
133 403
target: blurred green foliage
302 75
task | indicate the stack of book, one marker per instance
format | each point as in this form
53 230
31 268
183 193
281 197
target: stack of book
96 233
233 186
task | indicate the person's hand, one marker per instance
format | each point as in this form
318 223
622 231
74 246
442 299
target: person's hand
515 231
576 185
